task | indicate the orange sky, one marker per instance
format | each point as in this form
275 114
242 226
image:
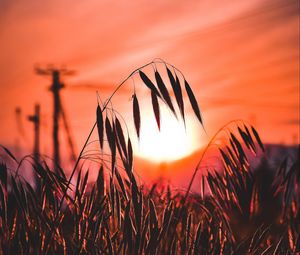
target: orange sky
241 58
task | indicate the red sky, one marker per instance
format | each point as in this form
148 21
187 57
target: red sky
240 57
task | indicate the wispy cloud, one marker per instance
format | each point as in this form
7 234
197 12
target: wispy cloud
241 57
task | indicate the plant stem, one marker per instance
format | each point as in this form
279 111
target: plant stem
91 131
203 154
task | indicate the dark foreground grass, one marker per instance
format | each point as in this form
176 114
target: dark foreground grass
245 213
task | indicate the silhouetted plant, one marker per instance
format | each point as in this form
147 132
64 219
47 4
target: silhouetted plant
115 215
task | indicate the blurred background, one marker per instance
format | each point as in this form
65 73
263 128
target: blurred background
241 59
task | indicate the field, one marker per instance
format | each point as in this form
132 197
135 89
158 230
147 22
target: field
237 209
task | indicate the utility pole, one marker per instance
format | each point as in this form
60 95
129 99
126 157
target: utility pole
55 88
18 112
36 121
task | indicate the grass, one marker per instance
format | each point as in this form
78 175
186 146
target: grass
238 210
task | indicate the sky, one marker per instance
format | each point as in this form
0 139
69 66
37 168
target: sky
240 57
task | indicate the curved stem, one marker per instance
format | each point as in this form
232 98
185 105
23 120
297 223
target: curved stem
91 131
203 154
94 125
159 60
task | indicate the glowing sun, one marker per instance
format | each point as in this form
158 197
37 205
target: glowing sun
171 143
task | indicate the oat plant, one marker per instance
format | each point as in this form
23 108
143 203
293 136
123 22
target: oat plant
117 215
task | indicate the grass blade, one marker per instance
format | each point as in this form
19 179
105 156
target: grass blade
111 142
100 125
177 92
136 115
149 83
9 153
257 138
164 92
155 106
193 101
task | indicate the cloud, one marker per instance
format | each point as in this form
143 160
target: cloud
242 56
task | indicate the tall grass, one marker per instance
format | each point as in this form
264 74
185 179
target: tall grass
238 211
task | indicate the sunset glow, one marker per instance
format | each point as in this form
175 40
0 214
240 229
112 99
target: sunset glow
172 142
149 127
240 58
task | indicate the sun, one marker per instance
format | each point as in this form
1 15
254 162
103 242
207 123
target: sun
171 143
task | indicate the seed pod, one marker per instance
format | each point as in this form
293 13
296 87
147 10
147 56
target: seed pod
100 125
155 106
136 115
193 101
